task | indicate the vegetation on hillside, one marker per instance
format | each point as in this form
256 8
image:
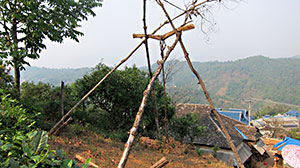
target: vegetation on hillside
53 76
231 83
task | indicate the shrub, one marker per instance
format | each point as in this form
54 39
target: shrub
23 146
199 151
295 133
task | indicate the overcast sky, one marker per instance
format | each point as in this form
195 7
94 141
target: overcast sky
251 27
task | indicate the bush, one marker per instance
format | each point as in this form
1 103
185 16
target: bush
199 151
295 133
23 146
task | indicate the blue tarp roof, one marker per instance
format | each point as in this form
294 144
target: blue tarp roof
233 115
287 141
243 135
244 111
293 113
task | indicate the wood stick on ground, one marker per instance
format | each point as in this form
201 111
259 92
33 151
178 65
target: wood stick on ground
161 163
234 150
143 104
83 160
167 35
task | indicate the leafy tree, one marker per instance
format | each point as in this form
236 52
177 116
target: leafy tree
25 24
115 102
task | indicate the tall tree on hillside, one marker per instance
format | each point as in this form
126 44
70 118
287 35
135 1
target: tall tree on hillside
25 24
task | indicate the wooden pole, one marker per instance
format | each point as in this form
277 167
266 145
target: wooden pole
162 47
149 69
161 163
143 104
83 160
234 150
167 35
62 98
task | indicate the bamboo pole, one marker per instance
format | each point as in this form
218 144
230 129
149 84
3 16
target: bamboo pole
166 35
143 104
237 157
162 48
149 69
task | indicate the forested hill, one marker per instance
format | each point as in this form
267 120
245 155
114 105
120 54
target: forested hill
52 75
231 83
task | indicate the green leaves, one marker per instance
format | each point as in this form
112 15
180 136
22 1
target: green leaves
21 147
39 141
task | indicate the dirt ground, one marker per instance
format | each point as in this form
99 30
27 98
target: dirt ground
106 153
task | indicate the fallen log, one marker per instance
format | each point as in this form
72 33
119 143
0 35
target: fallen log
161 163
83 160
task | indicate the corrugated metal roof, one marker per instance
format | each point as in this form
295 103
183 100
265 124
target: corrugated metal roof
244 151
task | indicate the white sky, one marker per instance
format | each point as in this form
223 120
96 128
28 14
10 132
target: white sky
251 27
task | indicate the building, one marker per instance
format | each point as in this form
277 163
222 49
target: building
293 113
245 138
241 115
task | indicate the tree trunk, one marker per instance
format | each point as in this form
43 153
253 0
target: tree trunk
16 60
149 69
17 82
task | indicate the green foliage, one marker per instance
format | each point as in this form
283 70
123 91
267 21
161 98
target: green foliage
45 99
114 104
215 150
187 125
295 133
272 110
199 151
6 80
21 145
231 83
